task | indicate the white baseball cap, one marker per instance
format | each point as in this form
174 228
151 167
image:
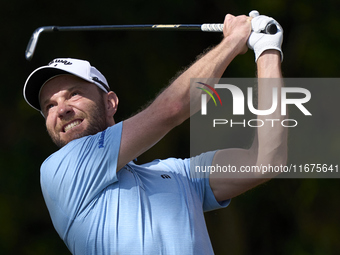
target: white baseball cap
59 66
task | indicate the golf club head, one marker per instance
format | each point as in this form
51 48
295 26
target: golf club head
32 44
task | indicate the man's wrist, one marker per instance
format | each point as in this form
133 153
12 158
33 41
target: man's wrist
235 44
269 64
269 57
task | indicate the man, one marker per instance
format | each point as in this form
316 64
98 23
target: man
100 201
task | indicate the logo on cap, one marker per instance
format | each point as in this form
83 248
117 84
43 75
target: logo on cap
60 61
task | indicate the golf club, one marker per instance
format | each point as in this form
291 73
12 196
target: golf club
32 44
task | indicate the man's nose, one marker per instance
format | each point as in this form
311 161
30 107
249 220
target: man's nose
64 109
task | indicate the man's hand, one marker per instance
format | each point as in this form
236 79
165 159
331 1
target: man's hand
237 30
259 42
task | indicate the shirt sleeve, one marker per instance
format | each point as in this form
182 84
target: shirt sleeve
73 176
199 172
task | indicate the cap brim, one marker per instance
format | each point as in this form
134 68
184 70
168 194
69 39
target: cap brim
35 81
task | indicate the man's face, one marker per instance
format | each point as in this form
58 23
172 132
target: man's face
73 108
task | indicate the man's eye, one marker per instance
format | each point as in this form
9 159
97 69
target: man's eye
49 106
74 94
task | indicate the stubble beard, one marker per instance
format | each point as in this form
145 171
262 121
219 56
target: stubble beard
96 123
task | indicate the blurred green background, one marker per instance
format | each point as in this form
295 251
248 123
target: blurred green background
296 216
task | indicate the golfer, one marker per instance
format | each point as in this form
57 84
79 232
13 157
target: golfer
99 200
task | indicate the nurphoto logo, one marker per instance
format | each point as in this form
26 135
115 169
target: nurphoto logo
302 96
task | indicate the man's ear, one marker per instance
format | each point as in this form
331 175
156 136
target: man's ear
111 104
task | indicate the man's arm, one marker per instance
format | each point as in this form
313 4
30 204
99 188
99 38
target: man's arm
172 106
270 144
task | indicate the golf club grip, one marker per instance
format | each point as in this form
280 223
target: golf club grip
271 28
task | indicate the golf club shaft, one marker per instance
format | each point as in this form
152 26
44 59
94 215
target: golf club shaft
270 29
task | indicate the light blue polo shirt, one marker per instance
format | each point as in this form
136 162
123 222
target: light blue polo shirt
155 208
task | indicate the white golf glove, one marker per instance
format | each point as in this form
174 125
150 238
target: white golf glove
259 42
